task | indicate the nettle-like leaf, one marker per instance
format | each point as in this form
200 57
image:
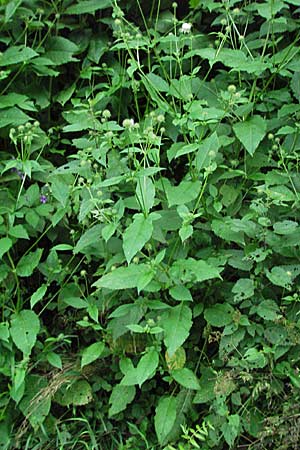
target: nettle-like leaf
78 393
145 369
28 263
185 192
145 193
24 329
120 397
60 50
165 416
16 55
91 353
219 314
176 323
125 277
251 132
186 378
88 7
137 235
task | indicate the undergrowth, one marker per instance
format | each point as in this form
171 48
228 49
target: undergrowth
149 224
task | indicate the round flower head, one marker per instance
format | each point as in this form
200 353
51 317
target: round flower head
128 123
186 28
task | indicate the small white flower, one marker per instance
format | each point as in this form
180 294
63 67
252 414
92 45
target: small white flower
186 28
128 123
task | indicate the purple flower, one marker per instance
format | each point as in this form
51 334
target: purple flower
43 199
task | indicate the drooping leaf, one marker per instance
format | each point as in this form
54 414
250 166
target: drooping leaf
88 7
176 322
144 370
137 235
219 314
24 329
165 415
79 393
60 50
16 55
120 397
251 132
28 263
145 192
5 244
90 237
38 295
207 151
185 192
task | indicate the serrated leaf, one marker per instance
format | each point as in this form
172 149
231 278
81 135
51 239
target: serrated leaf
14 115
145 192
137 235
79 393
268 310
60 50
164 419
90 237
176 322
88 7
38 295
295 85
251 132
16 55
24 329
144 370
207 151
5 244
123 277
230 429
181 293
157 82
91 353
119 398
28 263
183 193
186 378
219 314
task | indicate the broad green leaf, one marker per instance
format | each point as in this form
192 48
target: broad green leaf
137 235
90 237
255 358
28 263
145 193
38 295
119 398
10 9
164 419
144 370
285 227
88 6
231 428
282 276
207 386
190 269
123 277
207 151
79 393
60 50
251 132
60 190
54 359
219 314
5 244
268 310
16 55
18 231
186 378
243 288
158 82
181 293
91 353
4 331
12 116
24 330
295 85
270 9
176 322
185 192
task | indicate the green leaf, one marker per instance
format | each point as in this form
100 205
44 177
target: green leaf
186 378
285 227
119 398
123 277
136 235
88 6
54 359
144 370
207 151
24 329
165 416
268 310
243 288
16 55
79 393
34 405
158 82
60 190
295 85
60 50
90 237
251 132
145 193
230 429
12 116
219 314
181 293
5 244
38 295
184 193
91 353
176 323
18 231
28 263
190 269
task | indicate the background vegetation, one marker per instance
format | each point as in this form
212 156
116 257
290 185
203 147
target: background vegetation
149 224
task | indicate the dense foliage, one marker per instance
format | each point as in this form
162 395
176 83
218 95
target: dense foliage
149 224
